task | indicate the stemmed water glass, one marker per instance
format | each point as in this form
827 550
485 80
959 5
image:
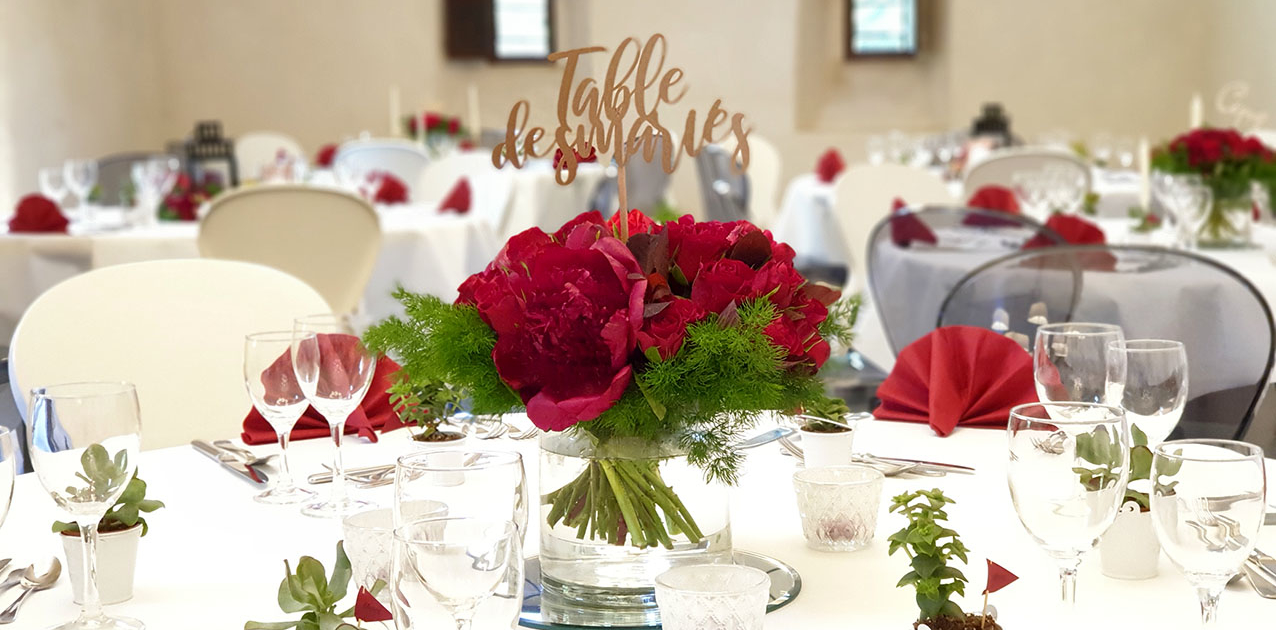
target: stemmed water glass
1154 390
81 176
273 388
453 563
488 484
1032 189
1191 199
1207 509
153 179
1064 501
84 439
53 183
1071 362
334 370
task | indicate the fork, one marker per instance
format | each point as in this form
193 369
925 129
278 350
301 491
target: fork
516 434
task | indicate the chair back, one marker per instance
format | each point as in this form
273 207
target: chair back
999 168
765 167
115 176
646 182
173 328
489 187
257 150
908 282
404 159
723 189
1150 292
863 195
329 238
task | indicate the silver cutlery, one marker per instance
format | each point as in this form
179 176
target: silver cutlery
32 583
249 458
14 578
230 462
516 434
497 430
888 469
351 473
765 437
953 468
1263 583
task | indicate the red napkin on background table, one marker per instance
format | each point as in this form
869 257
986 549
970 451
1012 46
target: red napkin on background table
995 199
324 156
458 200
392 189
592 157
906 228
1073 229
375 413
957 375
37 213
829 166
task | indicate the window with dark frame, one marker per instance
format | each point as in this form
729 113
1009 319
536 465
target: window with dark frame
499 30
881 28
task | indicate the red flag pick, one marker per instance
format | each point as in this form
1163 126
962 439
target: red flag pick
367 608
998 577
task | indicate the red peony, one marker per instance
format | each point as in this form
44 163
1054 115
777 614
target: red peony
453 125
566 310
325 155
639 223
665 331
391 190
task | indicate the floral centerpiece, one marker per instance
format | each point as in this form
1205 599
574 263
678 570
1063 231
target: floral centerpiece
439 132
639 358
1230 164
184 201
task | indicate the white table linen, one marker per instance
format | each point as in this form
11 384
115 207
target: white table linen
214 558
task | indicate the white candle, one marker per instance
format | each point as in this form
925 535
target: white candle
1145 174
396 111
420 128
473 101
1198 111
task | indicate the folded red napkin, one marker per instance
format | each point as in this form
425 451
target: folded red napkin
392 189
996 199
1073 229
906 228
37 213
957 375
324 156
375 413
592 157
458 200
829 166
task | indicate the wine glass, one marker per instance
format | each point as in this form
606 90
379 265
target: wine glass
1066 189
84 439
334 370
875 149
53 183
1193 199
1031 188
487 484
1064 501
273 388
8 469
1154 391
1207 509
80 176
453 563
1071 362
153 179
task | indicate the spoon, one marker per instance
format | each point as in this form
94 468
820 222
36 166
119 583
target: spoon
1263 583
32 583
15 576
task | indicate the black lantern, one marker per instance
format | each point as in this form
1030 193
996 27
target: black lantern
208 146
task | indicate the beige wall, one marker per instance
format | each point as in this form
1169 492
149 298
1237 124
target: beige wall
1240 53
88 78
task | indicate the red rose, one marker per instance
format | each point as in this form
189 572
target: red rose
665 331
593 218
802 340
432 121
696 245
566 313
721 283
391 190
639 223
453 125
325 155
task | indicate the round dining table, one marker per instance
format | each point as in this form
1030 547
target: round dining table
214 557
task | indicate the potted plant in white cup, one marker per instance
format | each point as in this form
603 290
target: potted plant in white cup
1129 549
429 405
827 434
118 531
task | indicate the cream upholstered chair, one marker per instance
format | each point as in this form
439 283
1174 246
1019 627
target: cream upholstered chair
490 187
256 150
764 171
402 158
863 196
327 237
1000 166
174 328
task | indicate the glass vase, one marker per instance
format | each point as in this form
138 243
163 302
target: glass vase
616 514
1230 221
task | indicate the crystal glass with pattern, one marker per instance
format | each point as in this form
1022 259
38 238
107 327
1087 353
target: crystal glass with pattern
712 597
838 506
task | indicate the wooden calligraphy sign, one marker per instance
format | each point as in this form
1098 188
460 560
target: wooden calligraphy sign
619 117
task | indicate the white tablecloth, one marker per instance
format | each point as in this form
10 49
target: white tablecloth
425 251
214 558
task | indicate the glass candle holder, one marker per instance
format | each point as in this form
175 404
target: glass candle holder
838 506
712 597
369 542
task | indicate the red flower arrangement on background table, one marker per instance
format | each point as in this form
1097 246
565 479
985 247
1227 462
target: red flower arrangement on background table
441 133
184 201
681 336
1229 163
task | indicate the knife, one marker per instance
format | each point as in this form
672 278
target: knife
956 468
229 461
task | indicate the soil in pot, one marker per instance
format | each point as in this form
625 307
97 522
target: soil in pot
970 622
440 436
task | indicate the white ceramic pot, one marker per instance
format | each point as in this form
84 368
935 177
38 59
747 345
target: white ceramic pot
116 560
826 449
1129 551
